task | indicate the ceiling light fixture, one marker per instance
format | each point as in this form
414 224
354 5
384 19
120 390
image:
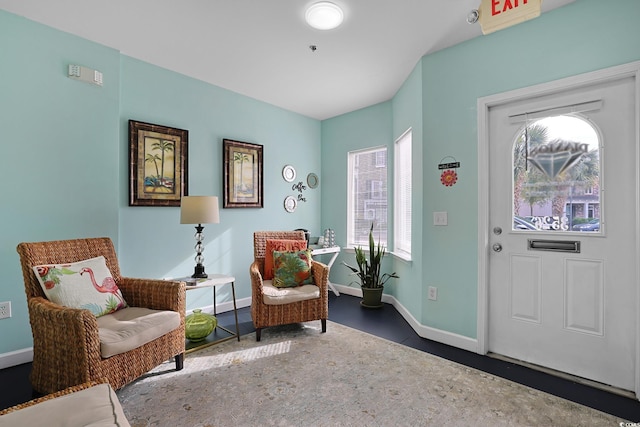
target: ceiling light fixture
324 15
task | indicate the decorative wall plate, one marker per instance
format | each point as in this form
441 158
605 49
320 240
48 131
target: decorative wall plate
312 180
288 173
290 204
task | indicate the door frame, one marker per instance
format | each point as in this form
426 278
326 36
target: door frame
483 106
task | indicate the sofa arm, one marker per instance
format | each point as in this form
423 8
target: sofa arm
64 392
90 403
154 293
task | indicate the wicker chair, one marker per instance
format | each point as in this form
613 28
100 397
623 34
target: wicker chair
66 345
265 315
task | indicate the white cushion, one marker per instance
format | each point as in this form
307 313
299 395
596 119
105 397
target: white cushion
132 327
85 284
277 296
97 406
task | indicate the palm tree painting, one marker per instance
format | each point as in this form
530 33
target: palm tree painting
243 171
243 174
159 165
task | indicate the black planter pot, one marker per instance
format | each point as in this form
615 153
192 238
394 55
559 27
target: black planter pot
372 297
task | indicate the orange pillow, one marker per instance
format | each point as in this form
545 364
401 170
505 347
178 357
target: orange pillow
280 245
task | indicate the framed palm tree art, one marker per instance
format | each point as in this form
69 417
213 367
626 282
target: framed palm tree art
243 185
157 164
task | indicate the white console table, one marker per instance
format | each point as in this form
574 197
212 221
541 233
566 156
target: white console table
335 250
213 281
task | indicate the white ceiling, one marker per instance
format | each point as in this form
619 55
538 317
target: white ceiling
260 48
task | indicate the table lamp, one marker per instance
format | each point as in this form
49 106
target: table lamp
199 210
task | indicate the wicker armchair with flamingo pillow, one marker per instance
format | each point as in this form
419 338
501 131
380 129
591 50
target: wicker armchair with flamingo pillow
88 322
272 305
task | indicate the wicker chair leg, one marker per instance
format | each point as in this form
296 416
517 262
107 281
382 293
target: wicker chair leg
258 331
179 361
324 325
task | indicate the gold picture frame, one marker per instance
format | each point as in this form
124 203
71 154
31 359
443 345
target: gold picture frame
243 185
157 164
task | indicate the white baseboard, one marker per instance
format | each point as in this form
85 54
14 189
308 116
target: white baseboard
350 290
14 358
444 337
225 306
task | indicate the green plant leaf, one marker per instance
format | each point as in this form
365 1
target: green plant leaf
368 271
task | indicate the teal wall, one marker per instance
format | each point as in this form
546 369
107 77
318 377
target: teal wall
153 243
407 113
583 36
65 153
368 127
65 163
60 151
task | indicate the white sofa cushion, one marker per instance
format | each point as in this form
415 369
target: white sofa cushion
97 406
132 327
276 296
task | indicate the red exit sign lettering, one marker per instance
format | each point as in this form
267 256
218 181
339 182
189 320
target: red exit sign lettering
498 6
498 14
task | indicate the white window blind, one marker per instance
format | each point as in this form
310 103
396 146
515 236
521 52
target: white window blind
402 195
367 196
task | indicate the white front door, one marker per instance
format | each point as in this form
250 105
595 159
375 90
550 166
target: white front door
561 239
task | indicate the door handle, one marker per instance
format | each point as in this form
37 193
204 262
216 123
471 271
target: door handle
497 247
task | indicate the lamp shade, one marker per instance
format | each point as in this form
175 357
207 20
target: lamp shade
199 210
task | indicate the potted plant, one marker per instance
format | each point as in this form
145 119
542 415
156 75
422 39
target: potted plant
368 271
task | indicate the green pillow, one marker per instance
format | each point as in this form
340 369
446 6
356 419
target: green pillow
292 269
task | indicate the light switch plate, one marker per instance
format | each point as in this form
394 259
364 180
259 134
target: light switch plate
440 218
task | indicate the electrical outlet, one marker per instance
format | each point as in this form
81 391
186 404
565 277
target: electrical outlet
433 293
5 309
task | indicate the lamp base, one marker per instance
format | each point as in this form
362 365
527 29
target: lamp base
199 272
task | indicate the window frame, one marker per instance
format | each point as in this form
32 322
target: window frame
402 208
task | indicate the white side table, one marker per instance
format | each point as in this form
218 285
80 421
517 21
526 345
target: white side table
211 282
335 250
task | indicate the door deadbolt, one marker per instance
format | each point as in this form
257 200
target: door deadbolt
497 247
497 231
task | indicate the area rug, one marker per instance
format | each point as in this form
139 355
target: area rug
297 376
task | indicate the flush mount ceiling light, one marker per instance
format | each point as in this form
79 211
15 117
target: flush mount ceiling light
324 15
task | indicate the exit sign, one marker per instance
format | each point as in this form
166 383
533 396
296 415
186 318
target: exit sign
498 14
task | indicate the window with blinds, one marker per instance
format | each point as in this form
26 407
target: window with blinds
402 196
367 196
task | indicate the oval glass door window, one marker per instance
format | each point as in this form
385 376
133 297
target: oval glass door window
556 176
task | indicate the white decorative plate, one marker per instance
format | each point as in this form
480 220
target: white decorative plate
290 204
288 173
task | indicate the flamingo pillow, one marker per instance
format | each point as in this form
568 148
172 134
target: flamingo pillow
85 284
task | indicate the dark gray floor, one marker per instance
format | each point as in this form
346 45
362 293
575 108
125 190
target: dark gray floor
389 324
